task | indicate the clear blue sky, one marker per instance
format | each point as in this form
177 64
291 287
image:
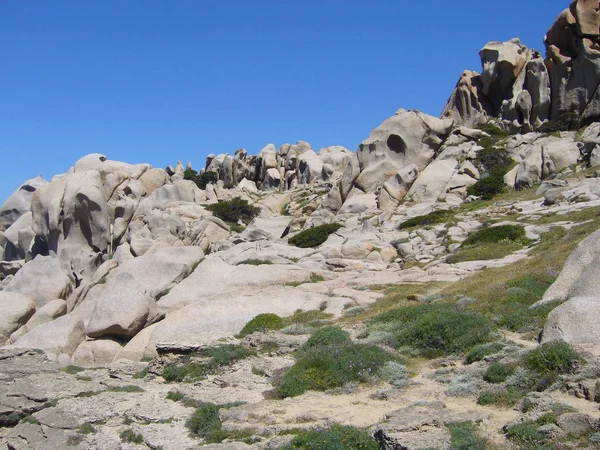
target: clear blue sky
160 81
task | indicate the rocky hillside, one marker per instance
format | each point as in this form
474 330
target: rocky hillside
416 293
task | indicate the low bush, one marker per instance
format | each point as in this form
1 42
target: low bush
507 397
329 359
338 437
201 180
131 437
141 374
327 336
234 210
493 130
262 323
526 434
219 357
494 162
498 373
72 370
205 423
128 388
494 235
257 262
86 428
313 237
435 217
555 358
479 352
175 396
566 121
435 329
465 436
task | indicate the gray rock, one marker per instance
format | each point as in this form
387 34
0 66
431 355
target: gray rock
100 352
575 321
43 279
576 423
62 335
122 310
16 310
19 202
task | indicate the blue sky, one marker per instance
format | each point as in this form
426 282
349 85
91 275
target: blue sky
160 81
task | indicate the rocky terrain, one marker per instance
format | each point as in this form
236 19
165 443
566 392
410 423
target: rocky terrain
436 288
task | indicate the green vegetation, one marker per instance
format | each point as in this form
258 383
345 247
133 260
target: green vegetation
206 424
494 162
141 374
479 352
491 243
313 237
262 323
465 436
567 121
337 437
493 130
234 210
175 396
498 373
131 437
72 370
506 397
257 262
128 388
219 357
329 359
433 218
86 428
313 279
554 358
433 330
526 434
201 180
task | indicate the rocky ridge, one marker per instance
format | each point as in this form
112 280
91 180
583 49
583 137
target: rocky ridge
112 264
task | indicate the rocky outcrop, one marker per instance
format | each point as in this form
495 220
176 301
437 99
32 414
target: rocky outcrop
523 90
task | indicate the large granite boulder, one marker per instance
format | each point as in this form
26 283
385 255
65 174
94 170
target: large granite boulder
409 137
62 335
19 202
575 321
15 310
122 310
43 279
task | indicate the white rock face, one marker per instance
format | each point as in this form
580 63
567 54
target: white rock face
122 310
62 335
96 353
16 310
43 279
575 321
580 276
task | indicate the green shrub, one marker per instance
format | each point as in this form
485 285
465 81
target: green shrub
141 374
175 396
86 428
205 422
127 388
526 434
493 235
554 358
506 397
465 436
493 130
479 352
131 437
495 162
338 437
221 356
72 370
327 336
201 180
435 217
313 237
262 323
257 262
498 373
329 359
566 121
234 210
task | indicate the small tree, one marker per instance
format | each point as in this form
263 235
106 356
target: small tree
201 180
